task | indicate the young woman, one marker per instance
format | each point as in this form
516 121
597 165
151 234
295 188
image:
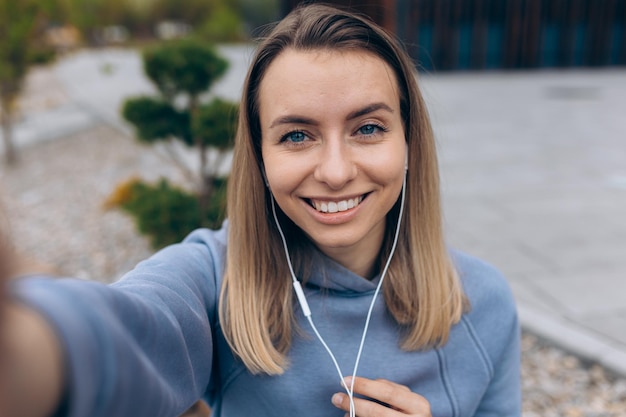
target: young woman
333 196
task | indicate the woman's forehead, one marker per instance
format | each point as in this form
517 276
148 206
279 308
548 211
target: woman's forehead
305 81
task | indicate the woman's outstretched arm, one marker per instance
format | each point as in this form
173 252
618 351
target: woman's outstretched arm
140 347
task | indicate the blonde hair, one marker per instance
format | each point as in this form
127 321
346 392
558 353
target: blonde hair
7 255
422 290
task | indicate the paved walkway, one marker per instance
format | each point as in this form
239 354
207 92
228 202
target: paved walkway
534 180
533 168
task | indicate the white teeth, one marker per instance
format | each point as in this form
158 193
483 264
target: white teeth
335 206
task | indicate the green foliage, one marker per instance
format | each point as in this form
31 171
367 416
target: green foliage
19 42
213 20
84 14
156 119
216 210
215 123
89 16
41 55
55 10
223 25
162 212
185 66
17 29
189 11
167 213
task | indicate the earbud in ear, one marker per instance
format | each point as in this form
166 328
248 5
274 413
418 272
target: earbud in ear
267 183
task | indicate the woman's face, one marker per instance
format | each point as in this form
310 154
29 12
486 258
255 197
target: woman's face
333 147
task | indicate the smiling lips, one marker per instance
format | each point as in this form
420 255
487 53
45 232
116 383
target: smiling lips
335 206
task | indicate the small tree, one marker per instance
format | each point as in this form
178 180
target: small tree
183 73
18 27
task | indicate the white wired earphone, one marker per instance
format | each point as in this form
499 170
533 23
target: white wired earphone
305 306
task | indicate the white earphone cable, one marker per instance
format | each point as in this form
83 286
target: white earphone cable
305 305
307 312
380 283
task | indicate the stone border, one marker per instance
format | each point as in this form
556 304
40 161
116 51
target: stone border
571 337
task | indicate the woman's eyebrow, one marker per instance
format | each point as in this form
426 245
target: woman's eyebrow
370 108
285 120
295 119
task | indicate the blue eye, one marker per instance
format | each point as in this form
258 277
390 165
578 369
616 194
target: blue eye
294 137
369 129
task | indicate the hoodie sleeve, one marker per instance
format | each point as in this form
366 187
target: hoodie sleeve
139 347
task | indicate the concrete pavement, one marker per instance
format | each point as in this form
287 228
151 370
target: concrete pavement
533 174
534 181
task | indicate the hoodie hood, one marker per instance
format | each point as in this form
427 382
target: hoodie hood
329 274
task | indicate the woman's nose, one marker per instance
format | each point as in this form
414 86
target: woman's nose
335 166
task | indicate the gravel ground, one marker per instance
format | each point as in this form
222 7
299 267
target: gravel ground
54 200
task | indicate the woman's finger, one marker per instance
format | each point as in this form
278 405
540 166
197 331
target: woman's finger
383 396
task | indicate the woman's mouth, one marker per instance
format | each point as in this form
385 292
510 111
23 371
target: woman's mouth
335 206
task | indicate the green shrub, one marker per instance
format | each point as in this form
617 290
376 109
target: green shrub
155 119
167 213
182 72
186 66
214 124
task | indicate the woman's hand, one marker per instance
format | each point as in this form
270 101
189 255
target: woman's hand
31 370
31 360
384 398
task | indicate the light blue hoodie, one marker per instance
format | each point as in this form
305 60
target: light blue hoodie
151 344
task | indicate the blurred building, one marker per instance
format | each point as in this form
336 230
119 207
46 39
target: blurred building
490 34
